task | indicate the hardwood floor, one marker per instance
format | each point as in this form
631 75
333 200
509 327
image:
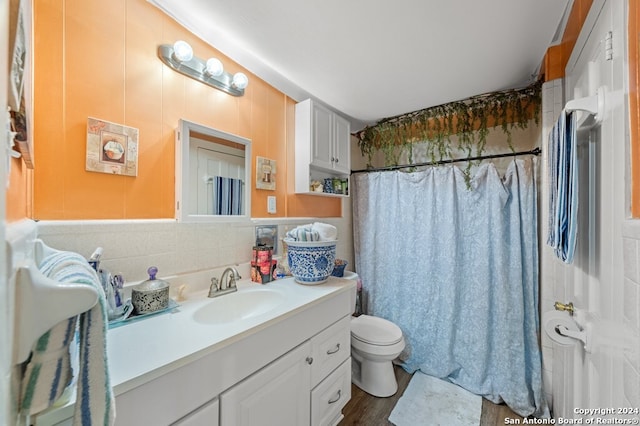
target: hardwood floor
366 410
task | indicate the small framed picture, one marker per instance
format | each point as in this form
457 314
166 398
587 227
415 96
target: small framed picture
265 173
111 148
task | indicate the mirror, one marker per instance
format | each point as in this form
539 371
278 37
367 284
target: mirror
213 172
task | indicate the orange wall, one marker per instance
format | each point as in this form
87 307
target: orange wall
556 59
98 59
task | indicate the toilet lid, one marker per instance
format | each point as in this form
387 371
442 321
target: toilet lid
375 331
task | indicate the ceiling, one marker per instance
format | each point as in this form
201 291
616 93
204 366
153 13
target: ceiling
374 59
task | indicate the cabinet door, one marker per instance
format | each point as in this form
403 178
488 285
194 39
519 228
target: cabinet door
331 395
276 395
342 145
322 137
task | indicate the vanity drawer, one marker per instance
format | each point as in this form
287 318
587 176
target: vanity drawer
331 395
330 348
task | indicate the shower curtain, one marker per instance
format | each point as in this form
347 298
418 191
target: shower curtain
456 268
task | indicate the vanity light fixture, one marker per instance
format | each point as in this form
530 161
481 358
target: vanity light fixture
179 57
182 51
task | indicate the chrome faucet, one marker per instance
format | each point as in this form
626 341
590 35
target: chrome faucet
225 284
231 283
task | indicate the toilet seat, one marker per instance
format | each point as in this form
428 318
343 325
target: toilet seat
375 331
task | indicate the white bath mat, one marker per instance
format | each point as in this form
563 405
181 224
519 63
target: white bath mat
432 401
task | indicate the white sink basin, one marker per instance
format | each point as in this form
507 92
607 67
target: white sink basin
243 304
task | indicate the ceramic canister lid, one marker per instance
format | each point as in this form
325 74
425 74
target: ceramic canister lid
153 283
375 331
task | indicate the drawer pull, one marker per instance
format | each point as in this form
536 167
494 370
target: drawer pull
309 360
337 397
333 351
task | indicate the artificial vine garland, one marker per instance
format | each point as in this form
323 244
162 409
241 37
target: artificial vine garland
469 119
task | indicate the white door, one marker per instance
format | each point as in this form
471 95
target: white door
591 377
209 161
279 394
215 163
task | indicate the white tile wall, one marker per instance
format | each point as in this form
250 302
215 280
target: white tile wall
131 246
552 272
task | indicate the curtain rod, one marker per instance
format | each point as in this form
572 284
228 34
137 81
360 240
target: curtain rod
535 151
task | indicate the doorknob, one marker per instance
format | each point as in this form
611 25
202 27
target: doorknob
565 307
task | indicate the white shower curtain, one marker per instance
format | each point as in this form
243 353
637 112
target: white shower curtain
456 268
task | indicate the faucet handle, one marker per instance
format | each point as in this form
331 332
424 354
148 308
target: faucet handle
214 285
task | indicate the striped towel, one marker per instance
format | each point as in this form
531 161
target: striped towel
227 196
563 191
49 371
304 233
316 231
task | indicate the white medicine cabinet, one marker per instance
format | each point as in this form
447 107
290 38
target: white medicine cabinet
322 150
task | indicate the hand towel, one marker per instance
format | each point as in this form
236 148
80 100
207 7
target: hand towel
563 187
304 233
49 369
569 224
316 231
325 231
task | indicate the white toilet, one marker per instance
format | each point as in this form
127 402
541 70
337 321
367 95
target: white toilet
375 343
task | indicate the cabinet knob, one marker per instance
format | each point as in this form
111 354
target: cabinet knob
309 360
333 159
336 159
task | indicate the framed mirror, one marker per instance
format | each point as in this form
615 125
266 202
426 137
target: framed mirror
213 174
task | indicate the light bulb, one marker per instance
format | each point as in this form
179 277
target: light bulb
214 67
240 81
182 51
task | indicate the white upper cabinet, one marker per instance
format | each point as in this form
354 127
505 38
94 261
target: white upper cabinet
326 133
342 146
322 145
322 134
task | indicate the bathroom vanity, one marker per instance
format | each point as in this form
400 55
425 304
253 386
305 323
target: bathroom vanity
275 354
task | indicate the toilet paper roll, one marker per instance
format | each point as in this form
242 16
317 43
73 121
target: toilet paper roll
552 320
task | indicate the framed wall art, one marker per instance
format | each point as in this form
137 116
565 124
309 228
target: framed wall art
111 148
265 173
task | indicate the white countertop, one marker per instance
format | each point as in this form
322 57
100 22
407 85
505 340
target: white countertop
141 351
145 349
